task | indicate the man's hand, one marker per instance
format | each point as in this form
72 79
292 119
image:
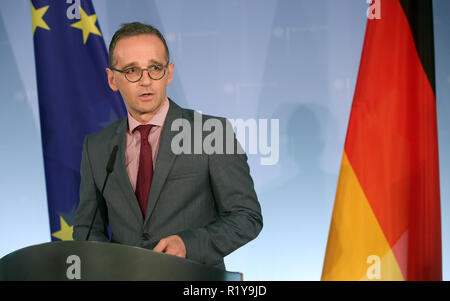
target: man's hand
172 245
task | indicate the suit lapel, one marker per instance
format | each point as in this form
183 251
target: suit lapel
121 175
165 158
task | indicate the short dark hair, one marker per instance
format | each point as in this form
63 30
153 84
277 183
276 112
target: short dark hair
134 29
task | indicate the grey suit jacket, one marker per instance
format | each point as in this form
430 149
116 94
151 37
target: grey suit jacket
207 199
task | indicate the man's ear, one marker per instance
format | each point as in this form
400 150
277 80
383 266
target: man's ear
111 79
170 73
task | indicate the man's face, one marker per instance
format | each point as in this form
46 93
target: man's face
144 97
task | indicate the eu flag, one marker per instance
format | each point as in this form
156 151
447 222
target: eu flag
74 98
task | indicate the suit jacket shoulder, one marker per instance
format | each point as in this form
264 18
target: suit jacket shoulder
100 137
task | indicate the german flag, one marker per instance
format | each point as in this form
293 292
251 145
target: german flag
386 222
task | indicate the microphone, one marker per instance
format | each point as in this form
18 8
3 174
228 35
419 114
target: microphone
109 170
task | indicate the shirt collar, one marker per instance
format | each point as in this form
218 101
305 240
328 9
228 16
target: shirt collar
157 120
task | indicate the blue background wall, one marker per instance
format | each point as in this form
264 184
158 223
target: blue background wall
295 60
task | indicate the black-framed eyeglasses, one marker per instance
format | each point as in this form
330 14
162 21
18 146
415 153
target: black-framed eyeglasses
134 74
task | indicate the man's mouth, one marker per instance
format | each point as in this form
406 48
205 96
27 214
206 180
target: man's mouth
146 95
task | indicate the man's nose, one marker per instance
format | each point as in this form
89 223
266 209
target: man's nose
145 80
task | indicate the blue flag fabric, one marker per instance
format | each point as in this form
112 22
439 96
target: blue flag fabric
74 98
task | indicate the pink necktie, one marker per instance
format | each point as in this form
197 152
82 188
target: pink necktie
145 171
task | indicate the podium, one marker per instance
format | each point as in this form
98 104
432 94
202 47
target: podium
99 261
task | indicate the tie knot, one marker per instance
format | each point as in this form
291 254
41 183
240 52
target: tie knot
144 130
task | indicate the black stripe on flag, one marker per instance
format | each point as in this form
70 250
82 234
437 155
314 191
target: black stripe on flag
420 18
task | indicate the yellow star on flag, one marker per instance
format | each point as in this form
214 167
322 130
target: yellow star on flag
36 17
65 233
87 25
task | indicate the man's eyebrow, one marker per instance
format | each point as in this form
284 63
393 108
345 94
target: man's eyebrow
135 64
130 64
155 62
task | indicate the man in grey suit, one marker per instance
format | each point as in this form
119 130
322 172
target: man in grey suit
200 206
